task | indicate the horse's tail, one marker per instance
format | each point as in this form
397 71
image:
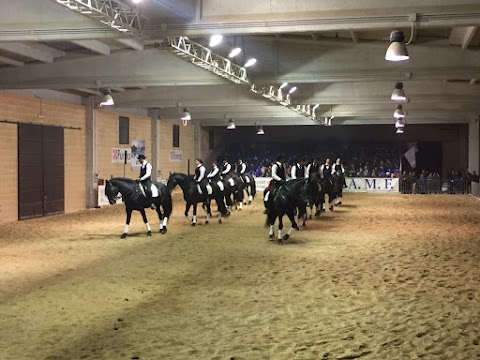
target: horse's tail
254 187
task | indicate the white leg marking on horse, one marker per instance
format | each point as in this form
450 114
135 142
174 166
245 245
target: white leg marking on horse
250 198
194 219
126 229
279 234
241 205
165 219
271 230
148 227
290 231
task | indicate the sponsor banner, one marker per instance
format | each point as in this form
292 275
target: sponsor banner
102 198
371 185
118 155
262 182
138 147
353 184
175 155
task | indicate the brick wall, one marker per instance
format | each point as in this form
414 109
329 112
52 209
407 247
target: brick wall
19 108
187 147
108 139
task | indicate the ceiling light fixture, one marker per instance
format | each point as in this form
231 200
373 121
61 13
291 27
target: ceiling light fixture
250 62
231 125
399 112
292 90
400 131
215 40
186 117
234 52
137 1
260 130
398 94
397 51
107 99
400 123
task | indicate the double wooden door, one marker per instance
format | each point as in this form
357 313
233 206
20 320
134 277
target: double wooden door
41 166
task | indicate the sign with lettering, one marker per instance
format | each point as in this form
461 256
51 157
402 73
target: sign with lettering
353 184
371 185
118 155
175 155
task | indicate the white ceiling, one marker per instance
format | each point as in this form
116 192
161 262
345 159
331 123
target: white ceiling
333 51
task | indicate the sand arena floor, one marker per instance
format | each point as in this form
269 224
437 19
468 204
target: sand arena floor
382 277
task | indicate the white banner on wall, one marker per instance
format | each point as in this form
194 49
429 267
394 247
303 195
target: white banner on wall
371 185
118 155
102 198
353 184
175 155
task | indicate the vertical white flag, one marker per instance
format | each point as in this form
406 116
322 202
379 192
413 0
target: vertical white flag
410 156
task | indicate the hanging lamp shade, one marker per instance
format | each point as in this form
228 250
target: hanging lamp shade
398 94
231 125
399 112
397 51
260 130
107 99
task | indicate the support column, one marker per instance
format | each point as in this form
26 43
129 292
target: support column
474 152
155 156
473 146
91 151
198 140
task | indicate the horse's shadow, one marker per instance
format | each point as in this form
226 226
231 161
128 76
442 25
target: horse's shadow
348 206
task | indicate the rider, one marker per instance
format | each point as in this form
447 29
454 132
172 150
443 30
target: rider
312 168
326 170
241 169
226 167
298 170
145 179
278 177
338 168
214 174
200 171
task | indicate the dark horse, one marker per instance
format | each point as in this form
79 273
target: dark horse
285 200
327 188
134 199
232 186
314 193
192 195
338 184
250 188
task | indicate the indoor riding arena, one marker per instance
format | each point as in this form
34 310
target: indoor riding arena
355 126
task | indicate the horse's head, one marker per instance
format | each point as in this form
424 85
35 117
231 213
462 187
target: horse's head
176 179
112 192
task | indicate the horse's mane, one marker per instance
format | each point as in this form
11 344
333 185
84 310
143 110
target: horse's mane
122 179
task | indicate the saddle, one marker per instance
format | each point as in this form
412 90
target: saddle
153 189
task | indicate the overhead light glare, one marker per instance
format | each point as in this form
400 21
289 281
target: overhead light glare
234 52
315 107
283 85
250 62
215 40
400 131
137 1
398 94
292 90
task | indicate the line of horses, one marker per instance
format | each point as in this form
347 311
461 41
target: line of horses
294 198
297 198
227 191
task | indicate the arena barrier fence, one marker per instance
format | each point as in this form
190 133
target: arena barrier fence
435 186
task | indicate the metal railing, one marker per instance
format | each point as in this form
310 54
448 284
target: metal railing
435 186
